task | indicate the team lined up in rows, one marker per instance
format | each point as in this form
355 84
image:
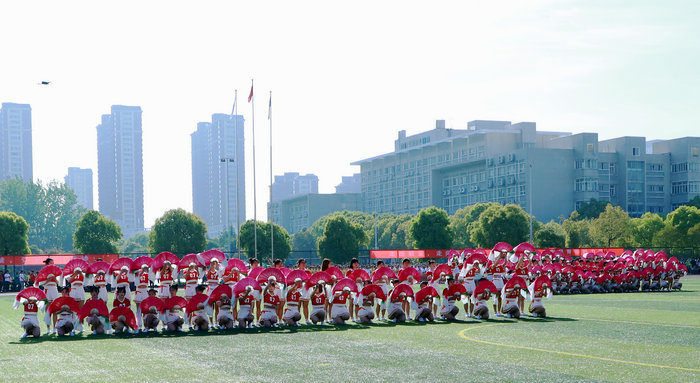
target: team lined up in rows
240 295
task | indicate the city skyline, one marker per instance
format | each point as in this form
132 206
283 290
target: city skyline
342 92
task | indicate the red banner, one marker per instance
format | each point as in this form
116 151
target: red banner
58 259
442 253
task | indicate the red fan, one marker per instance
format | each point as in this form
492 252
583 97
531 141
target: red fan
187 259
219 291
660 257
317 277
75 263
142 260
536 269
603 278
60 301
440 270
255 271
97 304
487 285
336 272
30 292
548 268
683 267
588 274
452 253
540 281
237 264
119 263
425 292
547 252
476 258
46 271
265 275
127 313
294 274
98 266
457 288
378 292
162 257
557 267
285 270
502 247
213 254
146 304
569 269
245 282
673 260
361 274
523 247
195 301
515 280
627 252
346 282
402 288
169 303
404 274
381 272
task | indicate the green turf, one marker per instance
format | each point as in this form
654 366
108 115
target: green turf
659 330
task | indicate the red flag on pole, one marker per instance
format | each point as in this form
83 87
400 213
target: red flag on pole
250 97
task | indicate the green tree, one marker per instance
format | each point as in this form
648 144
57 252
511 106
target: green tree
695 202
96 234
591 209
644 229
577 231
50 210
341 239
304 242
463 221
394 234
684 218
13 234
550 234
226 241
179 232
281 241
613 228
430 229
137 244
365 220
509 223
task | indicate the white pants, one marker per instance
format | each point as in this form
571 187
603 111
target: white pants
102 294
77 293
189 290
244 311
140 294
290 311
164 291
30 320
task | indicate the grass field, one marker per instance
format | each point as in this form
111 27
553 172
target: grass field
647 337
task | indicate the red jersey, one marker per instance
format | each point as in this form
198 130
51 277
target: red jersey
79 279
521 271
347 273
31 308
143 280
231 278
166 276
511 293
294 296
340 299
212 275
471 273
318 299
247 300
118 303
100 280
191 276
271 299
498 268
123 278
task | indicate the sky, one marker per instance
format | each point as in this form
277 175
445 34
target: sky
344 77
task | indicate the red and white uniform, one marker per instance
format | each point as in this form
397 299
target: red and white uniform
537 298
498 270
51 289
318 302
469 276
31 309
385 289
65 318
245 305
191 280
270 302
124 279
448 302
143 278
365 305
511 298
225 309
121 303
77 291
100 281
292 308
166 280
339 304
231 278
396 305
212 279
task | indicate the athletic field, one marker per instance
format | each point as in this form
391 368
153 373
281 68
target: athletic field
641 337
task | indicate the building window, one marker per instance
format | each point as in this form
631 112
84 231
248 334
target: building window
590 148
694 151
613 191
579 164
612 168
635 151
679 168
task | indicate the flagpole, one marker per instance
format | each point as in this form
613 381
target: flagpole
238 162
251 99
272 236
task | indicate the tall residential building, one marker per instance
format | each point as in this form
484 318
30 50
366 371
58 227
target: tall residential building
218 172
80 180
548 173
120 168
16 141
293 184
350 184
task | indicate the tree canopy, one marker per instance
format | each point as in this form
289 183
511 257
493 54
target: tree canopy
179 232
430 229
96 234
509 223
13 234
341 239
281 241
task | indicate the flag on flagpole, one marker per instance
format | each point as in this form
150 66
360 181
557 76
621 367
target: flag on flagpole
250 97
269 108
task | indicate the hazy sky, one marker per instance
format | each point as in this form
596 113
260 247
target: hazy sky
345 78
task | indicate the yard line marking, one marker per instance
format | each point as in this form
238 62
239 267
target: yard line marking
463 336
642 323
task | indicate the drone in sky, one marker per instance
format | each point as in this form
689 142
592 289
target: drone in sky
44 83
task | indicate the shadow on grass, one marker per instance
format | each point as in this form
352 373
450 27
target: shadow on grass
281 330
